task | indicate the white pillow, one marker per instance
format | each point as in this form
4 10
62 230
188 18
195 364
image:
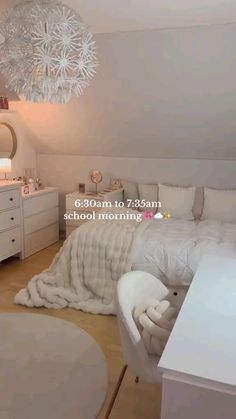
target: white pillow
198 202
219 205
130 190
178 201
148 193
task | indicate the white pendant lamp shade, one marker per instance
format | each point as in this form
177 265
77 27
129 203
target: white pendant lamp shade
47 54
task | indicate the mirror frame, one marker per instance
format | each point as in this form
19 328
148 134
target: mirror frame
14 139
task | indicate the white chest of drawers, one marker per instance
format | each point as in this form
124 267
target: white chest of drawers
11 242
40 220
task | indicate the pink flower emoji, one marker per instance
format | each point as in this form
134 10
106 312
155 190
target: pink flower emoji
149 215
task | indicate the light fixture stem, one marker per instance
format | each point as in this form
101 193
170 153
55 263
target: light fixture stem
46 31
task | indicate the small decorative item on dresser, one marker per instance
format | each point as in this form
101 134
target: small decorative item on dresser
116 184
81 187
28 173
38 184
4 103
25 189
96 177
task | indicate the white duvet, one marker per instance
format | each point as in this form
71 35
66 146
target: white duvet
172 249
84 273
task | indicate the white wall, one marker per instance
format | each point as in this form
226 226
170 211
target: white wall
65 171
25 155
164 101
169 94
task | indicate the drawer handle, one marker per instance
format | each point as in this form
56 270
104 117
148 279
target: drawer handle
12 218
13 240
10 199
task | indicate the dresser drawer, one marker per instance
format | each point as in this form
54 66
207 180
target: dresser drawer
41 220
41 239
9 219
9 199
10 243
40 203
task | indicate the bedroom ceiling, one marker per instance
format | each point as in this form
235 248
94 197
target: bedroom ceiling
128 15
166 94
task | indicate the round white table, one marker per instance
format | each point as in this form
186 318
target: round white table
49 369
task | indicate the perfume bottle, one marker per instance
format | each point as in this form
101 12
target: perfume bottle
31 185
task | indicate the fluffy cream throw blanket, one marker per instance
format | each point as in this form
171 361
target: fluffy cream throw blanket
84 273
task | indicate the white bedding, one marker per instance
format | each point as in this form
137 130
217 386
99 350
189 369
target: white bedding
85 272
172 249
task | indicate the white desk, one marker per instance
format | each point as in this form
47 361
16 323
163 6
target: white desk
199 361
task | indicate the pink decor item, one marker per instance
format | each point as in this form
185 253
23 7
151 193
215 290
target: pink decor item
4 103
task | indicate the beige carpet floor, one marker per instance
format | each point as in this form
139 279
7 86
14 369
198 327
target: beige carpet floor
135 401
49 368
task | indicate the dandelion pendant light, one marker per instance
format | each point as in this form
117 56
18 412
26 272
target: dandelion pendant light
47 54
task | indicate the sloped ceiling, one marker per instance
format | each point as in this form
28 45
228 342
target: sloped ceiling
126 15
158 93
129 15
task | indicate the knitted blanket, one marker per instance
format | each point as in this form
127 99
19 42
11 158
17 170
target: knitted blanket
84 273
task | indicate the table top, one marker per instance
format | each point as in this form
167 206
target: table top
45 190
203 341
8 184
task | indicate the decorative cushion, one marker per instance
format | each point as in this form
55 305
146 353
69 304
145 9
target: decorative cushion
155 320
130 190
198 202
219 205
177 200
148 193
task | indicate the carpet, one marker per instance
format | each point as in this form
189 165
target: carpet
49 369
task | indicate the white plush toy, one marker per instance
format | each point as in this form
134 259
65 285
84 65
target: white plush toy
155 320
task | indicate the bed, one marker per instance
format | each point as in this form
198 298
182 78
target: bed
171 250
85 272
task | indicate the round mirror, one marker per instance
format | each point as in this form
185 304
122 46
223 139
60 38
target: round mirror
8 141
